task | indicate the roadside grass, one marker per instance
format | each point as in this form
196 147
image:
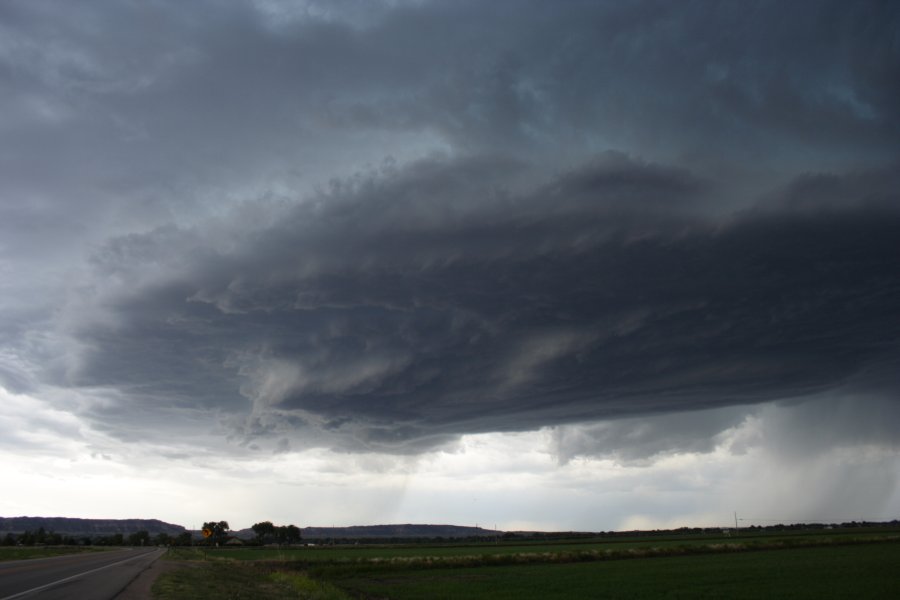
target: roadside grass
181 553
22 553
308 588
217 580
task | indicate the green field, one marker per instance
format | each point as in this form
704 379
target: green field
797 565
573 549
864 571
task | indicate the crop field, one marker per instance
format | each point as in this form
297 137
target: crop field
798 565
864 571
554 550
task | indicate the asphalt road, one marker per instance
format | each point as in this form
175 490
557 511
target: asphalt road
88 576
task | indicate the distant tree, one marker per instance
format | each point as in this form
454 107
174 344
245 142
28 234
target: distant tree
287 534
9 540
263 529
183 539
214 531
162 539
292 534
139 538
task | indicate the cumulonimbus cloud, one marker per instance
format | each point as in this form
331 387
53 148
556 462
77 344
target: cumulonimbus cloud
527 278
381 317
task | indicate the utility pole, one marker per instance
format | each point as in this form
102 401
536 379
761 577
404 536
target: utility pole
735 520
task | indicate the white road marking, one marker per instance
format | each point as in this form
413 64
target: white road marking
71 577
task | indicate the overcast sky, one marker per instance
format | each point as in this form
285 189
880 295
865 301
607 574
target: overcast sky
540 265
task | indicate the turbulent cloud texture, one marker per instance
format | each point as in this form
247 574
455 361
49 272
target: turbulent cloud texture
378 227
429 301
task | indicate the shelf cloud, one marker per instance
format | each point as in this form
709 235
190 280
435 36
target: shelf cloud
385 316
633 231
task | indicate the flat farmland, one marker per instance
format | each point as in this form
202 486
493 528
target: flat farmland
554 551
860 571
806 564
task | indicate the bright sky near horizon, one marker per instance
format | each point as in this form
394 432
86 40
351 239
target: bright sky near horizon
582 265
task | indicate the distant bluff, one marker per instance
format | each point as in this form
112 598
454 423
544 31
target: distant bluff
87 527
405 531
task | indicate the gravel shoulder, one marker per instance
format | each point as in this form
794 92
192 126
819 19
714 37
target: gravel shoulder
139 589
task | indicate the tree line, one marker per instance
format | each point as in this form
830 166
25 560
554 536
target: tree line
214 533
41 537
267 532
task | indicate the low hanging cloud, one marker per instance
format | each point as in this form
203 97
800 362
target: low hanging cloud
793 432
170 243
403 308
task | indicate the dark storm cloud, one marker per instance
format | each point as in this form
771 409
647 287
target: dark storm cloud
426 302
121 117
189 93
851 415
529 277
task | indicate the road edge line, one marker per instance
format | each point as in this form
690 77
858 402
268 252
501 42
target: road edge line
69 578
133 579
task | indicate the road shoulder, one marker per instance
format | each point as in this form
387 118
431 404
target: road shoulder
139 588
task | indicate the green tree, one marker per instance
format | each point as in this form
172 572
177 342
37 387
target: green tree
183 539
287 534
140 538
292 534
215 531
263 529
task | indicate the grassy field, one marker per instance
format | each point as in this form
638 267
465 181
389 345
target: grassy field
217 580
812 564
21 553
863 571
557 551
